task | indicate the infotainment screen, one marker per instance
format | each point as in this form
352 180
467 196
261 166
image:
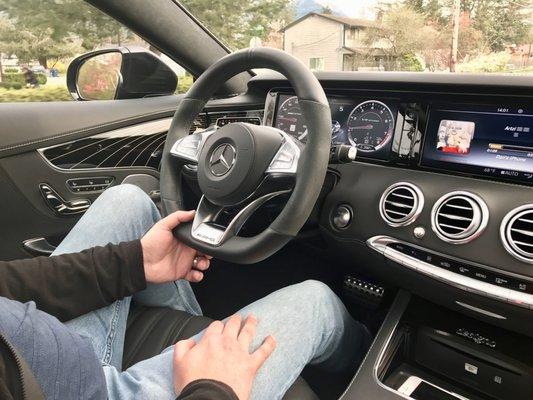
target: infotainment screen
495 141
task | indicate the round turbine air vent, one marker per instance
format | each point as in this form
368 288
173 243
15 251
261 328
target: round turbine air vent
401 204
459 217
516 233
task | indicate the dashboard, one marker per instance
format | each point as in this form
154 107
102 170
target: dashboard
439 199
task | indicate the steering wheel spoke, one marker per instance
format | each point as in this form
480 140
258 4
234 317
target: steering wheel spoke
188 148
285 161
207 228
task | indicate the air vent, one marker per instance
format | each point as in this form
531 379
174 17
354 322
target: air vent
201 122
401 204
517 233
459 217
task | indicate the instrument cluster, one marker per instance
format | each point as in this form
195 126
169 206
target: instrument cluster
365 124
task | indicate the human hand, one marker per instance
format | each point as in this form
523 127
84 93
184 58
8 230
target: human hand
222 354
165 258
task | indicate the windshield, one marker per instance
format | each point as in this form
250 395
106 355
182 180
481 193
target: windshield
470 36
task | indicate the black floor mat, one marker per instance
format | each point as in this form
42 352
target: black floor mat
228 287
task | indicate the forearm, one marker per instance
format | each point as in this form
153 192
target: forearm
207 389
71 285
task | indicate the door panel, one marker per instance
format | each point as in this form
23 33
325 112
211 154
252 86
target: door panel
25 214
21 220
76 149
29 126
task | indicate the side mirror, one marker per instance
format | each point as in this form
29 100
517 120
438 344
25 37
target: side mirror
119 73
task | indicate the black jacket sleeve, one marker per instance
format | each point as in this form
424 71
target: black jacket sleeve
71 285
207 389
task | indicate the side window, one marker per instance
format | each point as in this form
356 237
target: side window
39 38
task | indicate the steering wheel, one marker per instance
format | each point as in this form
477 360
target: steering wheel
241 166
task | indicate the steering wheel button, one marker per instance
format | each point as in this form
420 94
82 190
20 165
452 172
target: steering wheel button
286 159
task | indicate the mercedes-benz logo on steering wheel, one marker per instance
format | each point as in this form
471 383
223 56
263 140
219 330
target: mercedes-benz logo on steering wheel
222 159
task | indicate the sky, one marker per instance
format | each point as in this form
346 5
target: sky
352 8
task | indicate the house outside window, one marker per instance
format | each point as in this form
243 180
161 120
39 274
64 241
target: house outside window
316 64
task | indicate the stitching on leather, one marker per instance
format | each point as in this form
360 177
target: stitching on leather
361 366
66 134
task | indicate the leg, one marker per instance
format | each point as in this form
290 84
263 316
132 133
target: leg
120 214
116 216
310 325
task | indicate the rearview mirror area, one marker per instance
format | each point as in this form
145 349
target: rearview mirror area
119 73
99 76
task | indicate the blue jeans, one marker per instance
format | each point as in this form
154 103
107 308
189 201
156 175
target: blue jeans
309 322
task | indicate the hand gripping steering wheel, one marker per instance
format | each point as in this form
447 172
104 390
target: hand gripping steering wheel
241 166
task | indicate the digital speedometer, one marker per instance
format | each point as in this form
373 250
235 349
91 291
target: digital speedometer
370 126
290 119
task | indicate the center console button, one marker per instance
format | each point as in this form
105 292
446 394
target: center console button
415 253
444 263
483 275
520 286
501 281
463 270
402 248
409 251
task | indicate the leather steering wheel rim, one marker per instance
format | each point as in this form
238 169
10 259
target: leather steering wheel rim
312 163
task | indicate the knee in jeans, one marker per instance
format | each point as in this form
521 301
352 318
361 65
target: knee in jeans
118 194
130 196
315 291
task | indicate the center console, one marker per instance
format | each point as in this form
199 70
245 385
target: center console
445 355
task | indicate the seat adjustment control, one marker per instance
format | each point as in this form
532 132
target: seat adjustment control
60 205
38 247
97 184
